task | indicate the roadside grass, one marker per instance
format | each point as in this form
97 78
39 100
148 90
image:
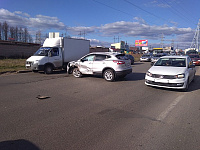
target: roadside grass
12 65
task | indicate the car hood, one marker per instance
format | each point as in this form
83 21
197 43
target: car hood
195 59
35 58
166 70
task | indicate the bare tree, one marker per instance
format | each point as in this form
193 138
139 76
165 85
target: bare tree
16 33
12 33
20 34
0 31
25 35
5 30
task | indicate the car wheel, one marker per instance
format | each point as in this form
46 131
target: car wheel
109 75
77 73
48 69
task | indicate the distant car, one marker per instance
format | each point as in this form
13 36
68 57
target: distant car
156 57
110 65
131 58
195 58
171 72
145 57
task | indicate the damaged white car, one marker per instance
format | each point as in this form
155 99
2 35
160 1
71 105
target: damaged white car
110 65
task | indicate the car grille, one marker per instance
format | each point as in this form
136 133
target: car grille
163 76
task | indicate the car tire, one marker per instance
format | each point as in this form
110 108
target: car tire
48 69
109 75
77 73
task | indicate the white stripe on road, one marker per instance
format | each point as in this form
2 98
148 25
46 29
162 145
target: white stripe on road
164 114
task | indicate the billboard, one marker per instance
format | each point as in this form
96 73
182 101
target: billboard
141 42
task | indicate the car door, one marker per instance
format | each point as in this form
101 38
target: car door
99 63
86 63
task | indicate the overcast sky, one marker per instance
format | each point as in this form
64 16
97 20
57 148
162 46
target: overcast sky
102 20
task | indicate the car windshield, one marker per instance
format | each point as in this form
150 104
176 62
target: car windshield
43 51
146 56
194 56
174 62
122 56
158 55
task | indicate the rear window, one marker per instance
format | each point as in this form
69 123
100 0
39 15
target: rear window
194 56
122 57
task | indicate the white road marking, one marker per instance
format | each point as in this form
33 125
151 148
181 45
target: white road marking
164 114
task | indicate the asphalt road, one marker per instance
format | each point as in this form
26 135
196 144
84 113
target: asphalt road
92 114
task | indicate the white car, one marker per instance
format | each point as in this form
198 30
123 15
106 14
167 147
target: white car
110 65
171 72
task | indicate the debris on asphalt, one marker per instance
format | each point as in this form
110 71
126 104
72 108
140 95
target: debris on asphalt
42 97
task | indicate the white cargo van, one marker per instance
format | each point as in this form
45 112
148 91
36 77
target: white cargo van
56 53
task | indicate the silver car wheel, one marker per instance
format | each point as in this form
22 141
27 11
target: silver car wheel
109 75
77 73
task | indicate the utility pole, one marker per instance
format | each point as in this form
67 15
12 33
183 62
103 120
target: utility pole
162 39
82 34
195 41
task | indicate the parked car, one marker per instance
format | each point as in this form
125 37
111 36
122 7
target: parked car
156 57
110 65
131 58
195 58
146 57
171 72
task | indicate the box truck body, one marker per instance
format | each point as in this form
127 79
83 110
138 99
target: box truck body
56 53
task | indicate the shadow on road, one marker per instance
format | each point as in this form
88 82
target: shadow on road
18 145
133 77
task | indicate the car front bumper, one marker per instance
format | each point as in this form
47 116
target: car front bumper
166 83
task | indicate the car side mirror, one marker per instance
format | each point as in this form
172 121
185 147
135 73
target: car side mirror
191 66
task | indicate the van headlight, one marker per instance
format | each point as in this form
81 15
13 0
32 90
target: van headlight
149 74
180 76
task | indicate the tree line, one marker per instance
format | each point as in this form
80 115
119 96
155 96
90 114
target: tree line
18 34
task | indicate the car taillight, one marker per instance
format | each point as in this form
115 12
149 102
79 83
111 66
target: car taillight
118 62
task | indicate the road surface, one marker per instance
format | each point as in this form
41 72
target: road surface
91 114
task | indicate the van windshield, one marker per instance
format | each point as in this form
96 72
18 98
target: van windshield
43 51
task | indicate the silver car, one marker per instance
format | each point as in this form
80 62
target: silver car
145 57
107 64
171 72
156 57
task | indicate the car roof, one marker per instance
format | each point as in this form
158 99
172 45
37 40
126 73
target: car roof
175 56
106 53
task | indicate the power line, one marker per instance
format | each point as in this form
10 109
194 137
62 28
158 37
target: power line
113 8
126 12
177 12
144 10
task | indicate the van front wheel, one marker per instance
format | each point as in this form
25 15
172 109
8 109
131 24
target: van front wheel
48 69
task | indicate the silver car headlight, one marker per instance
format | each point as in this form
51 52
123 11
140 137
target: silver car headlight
149 74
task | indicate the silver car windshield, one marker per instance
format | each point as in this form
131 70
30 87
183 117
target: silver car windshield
174 62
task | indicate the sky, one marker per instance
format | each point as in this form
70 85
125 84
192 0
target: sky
171 22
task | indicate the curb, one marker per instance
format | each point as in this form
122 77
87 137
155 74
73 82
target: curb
23 71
